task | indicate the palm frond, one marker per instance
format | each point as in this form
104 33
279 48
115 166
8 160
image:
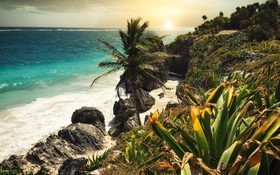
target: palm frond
112 50
112 65
105 74
144 26
152 78
148 57
124 38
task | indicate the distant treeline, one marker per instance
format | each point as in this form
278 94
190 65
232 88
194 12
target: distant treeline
259 21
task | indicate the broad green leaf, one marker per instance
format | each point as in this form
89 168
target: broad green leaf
165 134
215 95
234 123
270 125
189 141
220 127
229 155
200 136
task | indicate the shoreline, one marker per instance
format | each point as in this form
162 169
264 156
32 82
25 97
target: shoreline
160 103
23 126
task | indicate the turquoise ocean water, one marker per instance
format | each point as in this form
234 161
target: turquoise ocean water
45 76
43 62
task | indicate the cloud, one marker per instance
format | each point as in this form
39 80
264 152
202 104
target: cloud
81 5
52 5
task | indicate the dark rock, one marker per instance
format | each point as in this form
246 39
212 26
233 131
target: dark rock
179 62
114 131
82 136
159 70
147 101
171 105
249 56
161 95
123 109
47 157
123 127
71 166
89 115
12 163
131 123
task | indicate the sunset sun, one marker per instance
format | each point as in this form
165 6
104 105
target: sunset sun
168 25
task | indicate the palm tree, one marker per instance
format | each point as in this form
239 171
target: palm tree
137 45
204 17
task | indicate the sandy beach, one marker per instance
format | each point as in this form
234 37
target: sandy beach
160 103
25 125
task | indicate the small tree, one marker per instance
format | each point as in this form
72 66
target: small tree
204 17
137 46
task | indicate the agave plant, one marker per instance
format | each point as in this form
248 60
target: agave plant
235 127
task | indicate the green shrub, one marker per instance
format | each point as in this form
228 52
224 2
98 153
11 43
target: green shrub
235 127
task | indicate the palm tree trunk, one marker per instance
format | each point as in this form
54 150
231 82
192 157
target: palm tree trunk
136 102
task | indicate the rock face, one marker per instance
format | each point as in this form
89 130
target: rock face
123 127
180 61
160 71
124 108
147 100
124 111
71 166
89 115
58 151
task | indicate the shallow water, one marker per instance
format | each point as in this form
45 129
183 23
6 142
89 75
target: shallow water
45 75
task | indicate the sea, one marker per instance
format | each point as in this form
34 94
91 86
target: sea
45 75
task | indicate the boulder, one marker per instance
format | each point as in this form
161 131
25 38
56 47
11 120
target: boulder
82 136
49 156
72 166
89 115
123 127
123 109
147 100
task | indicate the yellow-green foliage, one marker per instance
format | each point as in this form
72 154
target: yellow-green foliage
235 127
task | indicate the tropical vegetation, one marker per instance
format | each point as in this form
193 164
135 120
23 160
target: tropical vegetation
259 21
140 49
234 126
228 117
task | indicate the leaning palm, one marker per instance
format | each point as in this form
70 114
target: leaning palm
137 46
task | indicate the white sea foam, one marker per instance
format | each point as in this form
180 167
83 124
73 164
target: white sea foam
23 126
3 85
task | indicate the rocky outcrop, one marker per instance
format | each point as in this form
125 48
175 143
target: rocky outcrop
89 115
147 101
58 152
124 111
123 127
72 166
159 69
124 108
180 58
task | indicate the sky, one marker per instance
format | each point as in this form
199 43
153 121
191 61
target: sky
112 13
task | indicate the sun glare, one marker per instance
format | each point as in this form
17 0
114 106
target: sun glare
168 25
